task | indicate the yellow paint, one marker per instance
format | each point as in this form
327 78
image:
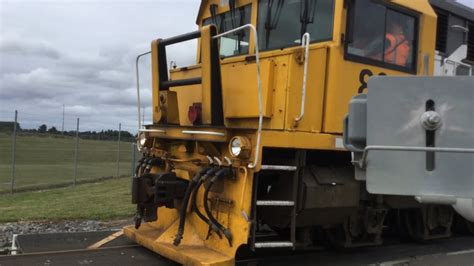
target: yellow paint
206 74
194 248
155 82
240 89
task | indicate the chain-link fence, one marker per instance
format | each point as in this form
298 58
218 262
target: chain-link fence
38 159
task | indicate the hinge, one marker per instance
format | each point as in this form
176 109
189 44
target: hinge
346 3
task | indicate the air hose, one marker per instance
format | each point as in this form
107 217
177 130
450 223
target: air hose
140 209
152 162
184 206
193 201
139 166
144 165
225 231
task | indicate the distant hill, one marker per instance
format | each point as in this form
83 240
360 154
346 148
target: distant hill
7 126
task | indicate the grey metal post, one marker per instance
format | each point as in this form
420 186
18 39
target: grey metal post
134 158
14 152
76 153
62 125
118 150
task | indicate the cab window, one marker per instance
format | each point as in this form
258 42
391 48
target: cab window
381 35
282 23
235 43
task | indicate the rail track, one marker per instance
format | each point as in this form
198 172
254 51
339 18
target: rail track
72 249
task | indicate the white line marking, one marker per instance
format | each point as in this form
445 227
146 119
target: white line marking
460 252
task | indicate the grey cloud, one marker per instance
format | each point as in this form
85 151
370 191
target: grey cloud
82 54
27 47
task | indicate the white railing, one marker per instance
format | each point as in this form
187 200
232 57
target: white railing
138 88
305 40
259 83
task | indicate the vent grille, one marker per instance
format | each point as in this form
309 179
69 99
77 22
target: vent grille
441 30
470 42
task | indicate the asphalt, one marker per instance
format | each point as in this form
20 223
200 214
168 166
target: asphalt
69 249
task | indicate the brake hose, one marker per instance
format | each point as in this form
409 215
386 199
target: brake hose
193 201
152 162
138 167
184 206
225 231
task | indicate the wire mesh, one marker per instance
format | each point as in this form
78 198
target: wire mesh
47 159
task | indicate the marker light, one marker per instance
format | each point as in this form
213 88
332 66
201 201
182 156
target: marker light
141 141
239 147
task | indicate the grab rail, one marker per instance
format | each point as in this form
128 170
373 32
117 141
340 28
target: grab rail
138 87
259 83
305 40
363 160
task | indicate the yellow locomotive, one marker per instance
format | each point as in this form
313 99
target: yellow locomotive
246 145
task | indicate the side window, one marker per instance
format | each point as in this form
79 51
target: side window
381 35
282 23
236 43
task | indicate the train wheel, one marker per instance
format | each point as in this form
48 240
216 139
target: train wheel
462 226
429 222
361 229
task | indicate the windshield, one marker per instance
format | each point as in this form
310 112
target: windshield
236 43
282 23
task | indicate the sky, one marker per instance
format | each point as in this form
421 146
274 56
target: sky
81 54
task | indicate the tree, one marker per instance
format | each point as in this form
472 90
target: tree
42 128
53 130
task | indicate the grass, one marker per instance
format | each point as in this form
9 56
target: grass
43 160
104 200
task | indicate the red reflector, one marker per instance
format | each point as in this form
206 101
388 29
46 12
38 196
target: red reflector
194 113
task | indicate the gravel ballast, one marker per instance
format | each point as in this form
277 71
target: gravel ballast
7 230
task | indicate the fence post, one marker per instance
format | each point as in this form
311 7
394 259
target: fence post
134 159
76 153
14 152
118 150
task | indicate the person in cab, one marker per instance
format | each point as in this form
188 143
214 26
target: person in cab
397 47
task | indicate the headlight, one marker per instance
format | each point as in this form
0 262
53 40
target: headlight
141 141
239 147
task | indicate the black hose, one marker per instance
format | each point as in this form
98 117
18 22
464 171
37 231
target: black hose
193 201
139 216
144 165
148 165
184 206
225 231
154 162
139 166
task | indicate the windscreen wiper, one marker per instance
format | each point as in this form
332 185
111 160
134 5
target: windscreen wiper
272 22
213 11
307 13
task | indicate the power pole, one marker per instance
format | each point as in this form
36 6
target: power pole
14 152
118 150
143 116
76 153
62 127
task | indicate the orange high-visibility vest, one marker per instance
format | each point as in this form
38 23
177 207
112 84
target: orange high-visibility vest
398 50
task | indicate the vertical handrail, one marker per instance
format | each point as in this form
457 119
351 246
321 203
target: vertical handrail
305 40
259 83
138 88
